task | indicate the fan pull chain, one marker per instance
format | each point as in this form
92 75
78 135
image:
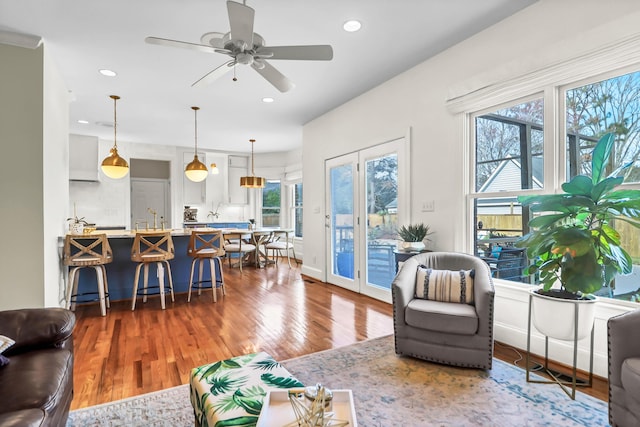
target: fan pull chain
234 73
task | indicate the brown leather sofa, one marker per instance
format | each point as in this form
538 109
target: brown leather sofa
36 387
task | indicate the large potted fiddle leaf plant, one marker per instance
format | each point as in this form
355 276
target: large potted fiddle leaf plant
573 246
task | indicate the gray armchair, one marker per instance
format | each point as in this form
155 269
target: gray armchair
624 369
444 332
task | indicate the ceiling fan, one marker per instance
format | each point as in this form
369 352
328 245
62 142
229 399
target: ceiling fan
247 48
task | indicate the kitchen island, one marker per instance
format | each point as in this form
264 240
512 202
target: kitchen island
121 271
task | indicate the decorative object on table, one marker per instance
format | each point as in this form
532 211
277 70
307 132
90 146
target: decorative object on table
214 214
113 165
313 408
413 236
252 181
252 223
196 171
574 245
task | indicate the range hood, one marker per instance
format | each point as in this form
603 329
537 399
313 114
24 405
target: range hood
83 158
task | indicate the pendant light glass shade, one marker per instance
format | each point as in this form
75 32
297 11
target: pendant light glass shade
214 169
113 165
196 171
252 181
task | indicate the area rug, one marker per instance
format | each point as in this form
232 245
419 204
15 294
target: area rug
389 391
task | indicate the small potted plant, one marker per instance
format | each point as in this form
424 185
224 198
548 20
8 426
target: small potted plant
573 246
413 236
76 225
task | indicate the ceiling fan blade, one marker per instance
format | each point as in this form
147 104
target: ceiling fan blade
215 74
182 45
273 76
241 22
323 52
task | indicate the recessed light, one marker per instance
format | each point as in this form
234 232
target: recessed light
108 73
352 26
83 122
267 99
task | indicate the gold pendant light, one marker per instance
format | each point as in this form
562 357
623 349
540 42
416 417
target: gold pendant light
113 165
196 171
252 181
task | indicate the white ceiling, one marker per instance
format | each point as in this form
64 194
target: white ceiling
154 82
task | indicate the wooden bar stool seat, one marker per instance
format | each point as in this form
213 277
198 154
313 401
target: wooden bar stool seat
82 251
152 247
203 246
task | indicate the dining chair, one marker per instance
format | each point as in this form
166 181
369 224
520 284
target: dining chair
152 247
235 246
82 251
203 246
281 241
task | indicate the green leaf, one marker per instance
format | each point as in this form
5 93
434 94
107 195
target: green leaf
224 383
600 157
250 400
210 370
580 186
280 382
605 186
544 221
267 364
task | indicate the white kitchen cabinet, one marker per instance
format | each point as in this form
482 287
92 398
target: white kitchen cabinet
83 158
193 193
237 169
217 184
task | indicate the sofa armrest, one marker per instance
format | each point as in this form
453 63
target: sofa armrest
33 328
621 345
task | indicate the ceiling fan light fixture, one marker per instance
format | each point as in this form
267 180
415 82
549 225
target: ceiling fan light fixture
196 171
113 165
252 181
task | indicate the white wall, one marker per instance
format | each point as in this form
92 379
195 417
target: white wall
33 131
539 36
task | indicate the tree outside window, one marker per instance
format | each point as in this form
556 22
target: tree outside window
271 204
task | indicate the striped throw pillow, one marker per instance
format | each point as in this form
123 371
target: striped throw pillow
445 285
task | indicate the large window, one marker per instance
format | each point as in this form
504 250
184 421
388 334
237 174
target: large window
510 159
271 204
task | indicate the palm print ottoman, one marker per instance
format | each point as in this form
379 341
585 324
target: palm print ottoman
230 392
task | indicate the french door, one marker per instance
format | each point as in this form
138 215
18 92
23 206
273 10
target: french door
365 191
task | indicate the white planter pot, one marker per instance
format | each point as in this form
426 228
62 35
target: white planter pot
76 228
555 317
413 246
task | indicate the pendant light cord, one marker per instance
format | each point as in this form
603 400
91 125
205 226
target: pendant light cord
115 120
195 112
252 141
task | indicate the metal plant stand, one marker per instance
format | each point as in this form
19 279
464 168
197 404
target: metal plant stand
574 382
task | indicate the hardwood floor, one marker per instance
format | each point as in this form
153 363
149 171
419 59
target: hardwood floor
275 310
